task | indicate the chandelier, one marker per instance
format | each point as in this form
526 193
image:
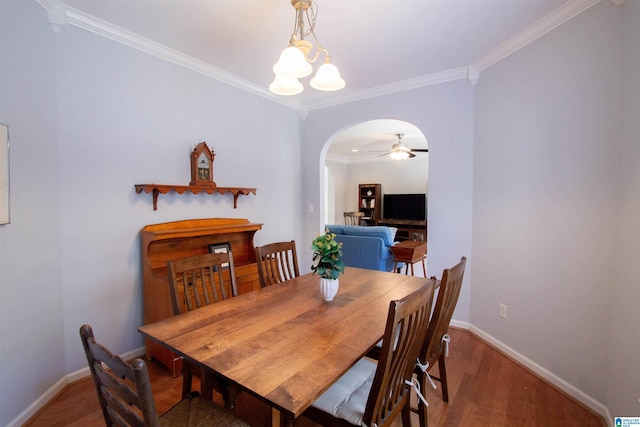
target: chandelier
295 63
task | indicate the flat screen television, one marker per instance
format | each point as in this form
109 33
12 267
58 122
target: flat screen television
405 206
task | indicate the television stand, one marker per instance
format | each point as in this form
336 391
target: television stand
407 229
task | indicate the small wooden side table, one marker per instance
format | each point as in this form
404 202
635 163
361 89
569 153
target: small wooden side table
409 252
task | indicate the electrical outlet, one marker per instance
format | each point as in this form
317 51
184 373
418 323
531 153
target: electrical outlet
310 208
503 311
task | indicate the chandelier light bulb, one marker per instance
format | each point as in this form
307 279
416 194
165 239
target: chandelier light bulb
292 63
286 85
327 77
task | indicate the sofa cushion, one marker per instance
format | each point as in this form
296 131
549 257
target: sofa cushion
376 231
335 228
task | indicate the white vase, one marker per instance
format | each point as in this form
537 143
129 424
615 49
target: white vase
328 288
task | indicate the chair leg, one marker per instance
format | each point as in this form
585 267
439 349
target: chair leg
422 409
443 378
406 412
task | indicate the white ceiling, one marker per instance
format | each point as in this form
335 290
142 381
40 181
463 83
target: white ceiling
378 45
373 139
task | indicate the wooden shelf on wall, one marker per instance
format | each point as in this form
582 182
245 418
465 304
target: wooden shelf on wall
195 189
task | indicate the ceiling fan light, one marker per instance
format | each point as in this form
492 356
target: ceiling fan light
327 78
399 155
292 63
286 85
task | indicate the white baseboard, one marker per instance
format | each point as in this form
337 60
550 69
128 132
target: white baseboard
39 403
58 387
543 373
460 325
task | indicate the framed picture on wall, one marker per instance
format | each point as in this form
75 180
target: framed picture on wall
216 248
4 174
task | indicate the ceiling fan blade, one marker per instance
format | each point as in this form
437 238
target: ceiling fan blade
419 150
411 155
385 154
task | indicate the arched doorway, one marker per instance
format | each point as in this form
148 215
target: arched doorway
345 168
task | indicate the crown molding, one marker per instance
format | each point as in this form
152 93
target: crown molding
120 35
553 20
428 80
57 12
473 75
61 15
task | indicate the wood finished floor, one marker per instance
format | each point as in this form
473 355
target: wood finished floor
485 389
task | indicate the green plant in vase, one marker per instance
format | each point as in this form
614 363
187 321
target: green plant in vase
326 256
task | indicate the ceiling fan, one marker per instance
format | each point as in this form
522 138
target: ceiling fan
401 151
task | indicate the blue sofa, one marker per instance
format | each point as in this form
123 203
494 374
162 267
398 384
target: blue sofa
365 247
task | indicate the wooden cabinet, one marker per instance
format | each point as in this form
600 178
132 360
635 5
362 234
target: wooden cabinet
407 229
370 200
161 243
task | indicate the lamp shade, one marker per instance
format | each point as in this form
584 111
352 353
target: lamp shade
327 78
292 63
285 85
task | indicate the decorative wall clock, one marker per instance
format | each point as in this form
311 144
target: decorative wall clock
202 166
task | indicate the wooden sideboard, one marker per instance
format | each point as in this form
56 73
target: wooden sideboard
161 243
407 229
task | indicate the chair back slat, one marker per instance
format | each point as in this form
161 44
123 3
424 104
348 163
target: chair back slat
124 390
126 398
406 326
353 218
201 280
277 262
448 293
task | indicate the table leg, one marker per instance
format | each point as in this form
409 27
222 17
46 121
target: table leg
206 386
278 421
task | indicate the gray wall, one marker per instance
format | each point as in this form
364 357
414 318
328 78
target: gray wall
548 232
532 174
622 351
31 306
89 118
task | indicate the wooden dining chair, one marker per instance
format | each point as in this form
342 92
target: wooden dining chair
375 394
277 262
436 342
196 282
353 218
126 399
201 280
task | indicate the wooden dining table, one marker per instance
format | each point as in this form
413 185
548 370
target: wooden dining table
284 344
